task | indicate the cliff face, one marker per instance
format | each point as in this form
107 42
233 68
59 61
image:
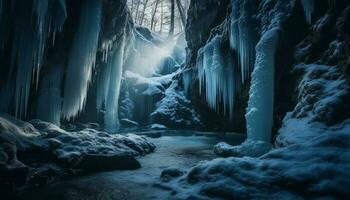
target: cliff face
310 32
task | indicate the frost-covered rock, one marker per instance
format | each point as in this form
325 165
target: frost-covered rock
248 148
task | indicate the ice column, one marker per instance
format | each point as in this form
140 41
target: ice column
108 88
259 114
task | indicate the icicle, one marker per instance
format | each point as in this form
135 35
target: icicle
186 80
243 36
49 99
259 114
309 9
58 17
216 73
32 22
82 59
28 49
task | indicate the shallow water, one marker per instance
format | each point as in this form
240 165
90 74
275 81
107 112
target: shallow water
175 149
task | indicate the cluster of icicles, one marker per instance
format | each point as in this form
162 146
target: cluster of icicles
223 73
28 45
36 22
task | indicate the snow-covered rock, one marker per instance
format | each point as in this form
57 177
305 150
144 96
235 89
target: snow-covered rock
32 145
175 110
315 168
323 95
158 126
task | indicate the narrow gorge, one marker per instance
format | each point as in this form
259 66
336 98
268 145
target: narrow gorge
174 99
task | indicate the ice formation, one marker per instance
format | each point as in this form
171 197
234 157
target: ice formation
186 80
309 8
34 22
243 36
115 65
82 59
259 114
49 96
216 73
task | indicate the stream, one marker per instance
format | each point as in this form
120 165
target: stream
175 149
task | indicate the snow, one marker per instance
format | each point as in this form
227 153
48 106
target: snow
248 148
64 145
259 113
82 59
315 168
216 74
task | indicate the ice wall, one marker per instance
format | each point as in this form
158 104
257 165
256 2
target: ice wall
82 59
259 114
216 73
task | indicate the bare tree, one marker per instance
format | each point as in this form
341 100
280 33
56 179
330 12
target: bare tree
143 12
181 12
161 17
137 10
172 18
154 14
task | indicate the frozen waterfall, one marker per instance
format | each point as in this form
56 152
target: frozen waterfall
216 73
82 59
29 39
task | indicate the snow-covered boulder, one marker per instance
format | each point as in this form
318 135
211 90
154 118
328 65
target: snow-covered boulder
175 110
40 148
